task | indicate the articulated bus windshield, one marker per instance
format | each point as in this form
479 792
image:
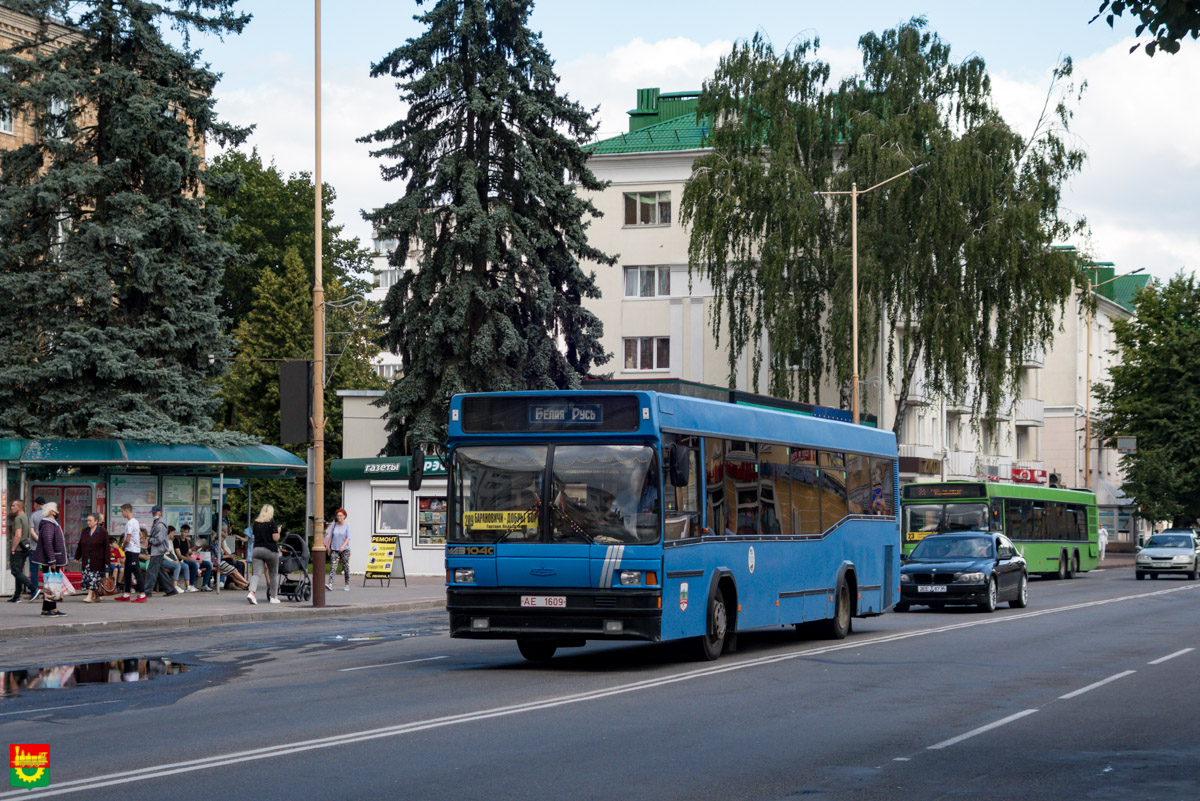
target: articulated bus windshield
923 519
598 493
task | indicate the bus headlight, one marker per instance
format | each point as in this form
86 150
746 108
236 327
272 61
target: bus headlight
631 578
969 578
464 575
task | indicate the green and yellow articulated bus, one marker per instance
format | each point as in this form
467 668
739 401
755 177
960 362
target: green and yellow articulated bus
1055 529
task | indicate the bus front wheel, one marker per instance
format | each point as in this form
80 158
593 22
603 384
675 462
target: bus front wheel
1064 572
837 627
537 650
712 642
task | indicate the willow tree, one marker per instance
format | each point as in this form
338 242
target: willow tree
959 259
486 151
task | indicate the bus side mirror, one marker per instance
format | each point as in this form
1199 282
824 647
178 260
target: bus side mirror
678 464
416 471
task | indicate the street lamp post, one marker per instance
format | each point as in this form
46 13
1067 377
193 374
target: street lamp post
1087 381
318 379
854 192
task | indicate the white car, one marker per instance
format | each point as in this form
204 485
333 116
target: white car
1171 551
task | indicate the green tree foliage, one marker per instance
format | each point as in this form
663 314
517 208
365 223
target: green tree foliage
959 257
279 325
1153 395
1169 21
485 151
110 264
271 213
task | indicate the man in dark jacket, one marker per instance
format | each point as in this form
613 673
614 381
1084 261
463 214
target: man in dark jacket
160 543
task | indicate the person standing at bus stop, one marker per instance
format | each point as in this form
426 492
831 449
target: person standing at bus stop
18 554
265 554
133 551
337 542
1104 543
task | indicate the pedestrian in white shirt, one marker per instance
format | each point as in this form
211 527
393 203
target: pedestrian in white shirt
1104 543
133 550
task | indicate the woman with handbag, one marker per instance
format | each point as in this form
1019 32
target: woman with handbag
92 553
51 554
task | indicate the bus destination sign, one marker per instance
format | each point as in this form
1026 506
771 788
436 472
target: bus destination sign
940 492
566 414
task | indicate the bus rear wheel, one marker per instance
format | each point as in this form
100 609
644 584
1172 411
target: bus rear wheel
1064 572
537 650
712 642
837 627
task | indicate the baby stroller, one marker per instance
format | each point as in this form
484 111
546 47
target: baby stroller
293 557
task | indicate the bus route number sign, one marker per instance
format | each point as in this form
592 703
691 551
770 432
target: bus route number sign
566 414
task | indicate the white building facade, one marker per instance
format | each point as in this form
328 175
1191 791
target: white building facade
657 323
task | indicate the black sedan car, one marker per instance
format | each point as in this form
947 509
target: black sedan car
964 567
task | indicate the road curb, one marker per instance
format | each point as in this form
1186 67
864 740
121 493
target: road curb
221 619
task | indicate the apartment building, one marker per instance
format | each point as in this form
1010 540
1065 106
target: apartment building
657 322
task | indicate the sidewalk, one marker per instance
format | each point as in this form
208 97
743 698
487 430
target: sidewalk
212 609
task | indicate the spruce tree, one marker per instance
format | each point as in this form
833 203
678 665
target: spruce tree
110 264
486 151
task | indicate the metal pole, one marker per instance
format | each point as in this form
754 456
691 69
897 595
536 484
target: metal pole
1087 388
318 376
854 302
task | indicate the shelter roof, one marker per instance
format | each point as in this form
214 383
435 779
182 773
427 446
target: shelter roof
248 461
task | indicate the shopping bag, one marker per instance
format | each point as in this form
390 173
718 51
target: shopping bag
67 587
52 586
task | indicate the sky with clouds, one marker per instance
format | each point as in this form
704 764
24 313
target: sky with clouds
1138 119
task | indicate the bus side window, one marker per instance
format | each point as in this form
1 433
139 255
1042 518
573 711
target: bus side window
741 487
883 494
714 480
833 487
682 513
858 484
805 500
772 487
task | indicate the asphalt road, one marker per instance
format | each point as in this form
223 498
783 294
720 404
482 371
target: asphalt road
1090 693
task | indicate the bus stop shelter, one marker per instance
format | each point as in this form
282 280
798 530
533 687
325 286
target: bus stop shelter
97 476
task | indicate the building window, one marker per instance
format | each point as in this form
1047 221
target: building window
6 117
647 208
647 353
387 371
647 282
388 278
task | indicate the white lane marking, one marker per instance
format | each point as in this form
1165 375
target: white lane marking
206 763
902 759
34 712
1100 683
1162 659
391 664
980 730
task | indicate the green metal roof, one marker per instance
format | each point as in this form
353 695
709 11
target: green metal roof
383 467
1119 289
245 460
680 133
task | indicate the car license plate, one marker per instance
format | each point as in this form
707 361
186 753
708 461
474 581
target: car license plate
931 588
553 601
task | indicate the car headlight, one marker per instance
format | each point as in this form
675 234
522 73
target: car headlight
1143 558
906 578
1183 559
969 578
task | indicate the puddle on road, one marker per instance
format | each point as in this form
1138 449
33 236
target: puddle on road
64 677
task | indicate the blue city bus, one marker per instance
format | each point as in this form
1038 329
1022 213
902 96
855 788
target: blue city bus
589 515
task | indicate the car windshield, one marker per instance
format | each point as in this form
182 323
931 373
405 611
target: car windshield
598 493
942 547
931 517
1170 541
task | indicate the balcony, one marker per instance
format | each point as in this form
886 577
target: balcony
1029 412
919 393
963 405
960 465
916 451
998 467
1036 357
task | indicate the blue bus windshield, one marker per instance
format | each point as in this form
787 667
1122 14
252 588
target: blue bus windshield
599 493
